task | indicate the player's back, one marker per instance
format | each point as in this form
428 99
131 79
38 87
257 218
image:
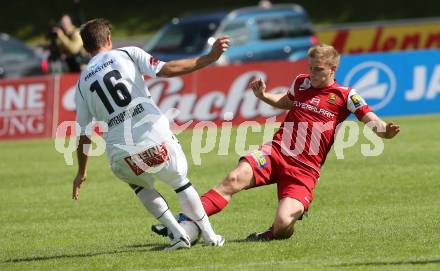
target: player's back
112 90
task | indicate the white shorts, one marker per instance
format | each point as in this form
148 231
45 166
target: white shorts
172 172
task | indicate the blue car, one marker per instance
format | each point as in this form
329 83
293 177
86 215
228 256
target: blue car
279 32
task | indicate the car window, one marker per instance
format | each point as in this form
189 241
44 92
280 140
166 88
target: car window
281 27
188 37
271 28
170 40
298 26
237 32
14 51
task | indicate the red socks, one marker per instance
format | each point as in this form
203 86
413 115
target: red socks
213 202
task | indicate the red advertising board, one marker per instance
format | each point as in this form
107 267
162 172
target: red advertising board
208 94
211 94
66 99
26 108
401 35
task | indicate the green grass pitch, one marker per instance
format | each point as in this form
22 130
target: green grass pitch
369 213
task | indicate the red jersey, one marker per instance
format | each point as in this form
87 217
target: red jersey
308 130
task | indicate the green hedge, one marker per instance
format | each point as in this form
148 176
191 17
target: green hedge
29 19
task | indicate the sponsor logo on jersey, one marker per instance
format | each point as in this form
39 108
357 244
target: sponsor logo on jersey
374 81
313 108
94 69
315 101
356 99
154 62
332 98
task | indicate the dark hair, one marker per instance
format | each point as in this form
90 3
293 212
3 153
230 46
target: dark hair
94 34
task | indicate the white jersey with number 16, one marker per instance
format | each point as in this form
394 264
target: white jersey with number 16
112 89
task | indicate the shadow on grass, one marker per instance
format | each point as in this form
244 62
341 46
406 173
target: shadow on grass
255 241
126 249
409 262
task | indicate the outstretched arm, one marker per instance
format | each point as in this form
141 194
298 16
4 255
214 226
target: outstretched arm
81 175
380 127
184 66
278 100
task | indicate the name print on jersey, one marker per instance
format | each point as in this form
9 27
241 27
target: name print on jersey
97 68
313 108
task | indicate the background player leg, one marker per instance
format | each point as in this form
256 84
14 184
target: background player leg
218 197
288 212
238 179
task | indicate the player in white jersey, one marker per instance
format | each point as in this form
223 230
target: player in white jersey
140 144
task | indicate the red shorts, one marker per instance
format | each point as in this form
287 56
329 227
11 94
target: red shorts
293 179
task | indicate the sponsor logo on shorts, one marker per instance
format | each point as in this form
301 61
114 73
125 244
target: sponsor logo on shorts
259 158
141 162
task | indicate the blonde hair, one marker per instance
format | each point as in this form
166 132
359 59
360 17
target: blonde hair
326 52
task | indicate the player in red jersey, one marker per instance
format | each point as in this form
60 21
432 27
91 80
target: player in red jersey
292 160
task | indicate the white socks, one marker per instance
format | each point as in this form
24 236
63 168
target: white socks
189 203
191 206
171 223
153 201
156 205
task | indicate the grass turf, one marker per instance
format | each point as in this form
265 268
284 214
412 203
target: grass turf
369 213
